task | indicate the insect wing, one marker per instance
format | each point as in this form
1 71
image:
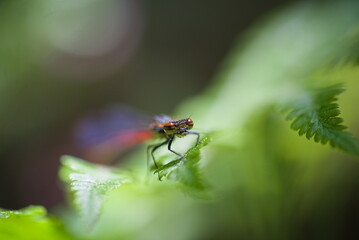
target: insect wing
162 119
111 131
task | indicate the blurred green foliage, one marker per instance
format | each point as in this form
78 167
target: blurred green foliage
265 181
30 223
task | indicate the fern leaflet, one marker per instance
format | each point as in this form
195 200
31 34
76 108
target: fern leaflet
317 116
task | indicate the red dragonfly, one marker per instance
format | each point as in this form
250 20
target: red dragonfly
104 135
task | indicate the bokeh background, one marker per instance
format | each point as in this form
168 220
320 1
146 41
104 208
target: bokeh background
62 60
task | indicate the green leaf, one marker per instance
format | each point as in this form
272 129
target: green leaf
186 172
316 115
90 185
30 223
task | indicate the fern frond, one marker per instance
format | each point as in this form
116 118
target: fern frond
316 116
187 172
90 185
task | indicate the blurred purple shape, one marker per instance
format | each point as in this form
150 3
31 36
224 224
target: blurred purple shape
109 124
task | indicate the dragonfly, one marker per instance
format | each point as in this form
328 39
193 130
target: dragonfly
105 135
167 128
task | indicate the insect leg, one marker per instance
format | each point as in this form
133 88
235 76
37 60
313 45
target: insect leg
169 148
153 148
195 133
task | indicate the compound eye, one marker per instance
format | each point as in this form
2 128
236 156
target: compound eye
189 122
170 126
